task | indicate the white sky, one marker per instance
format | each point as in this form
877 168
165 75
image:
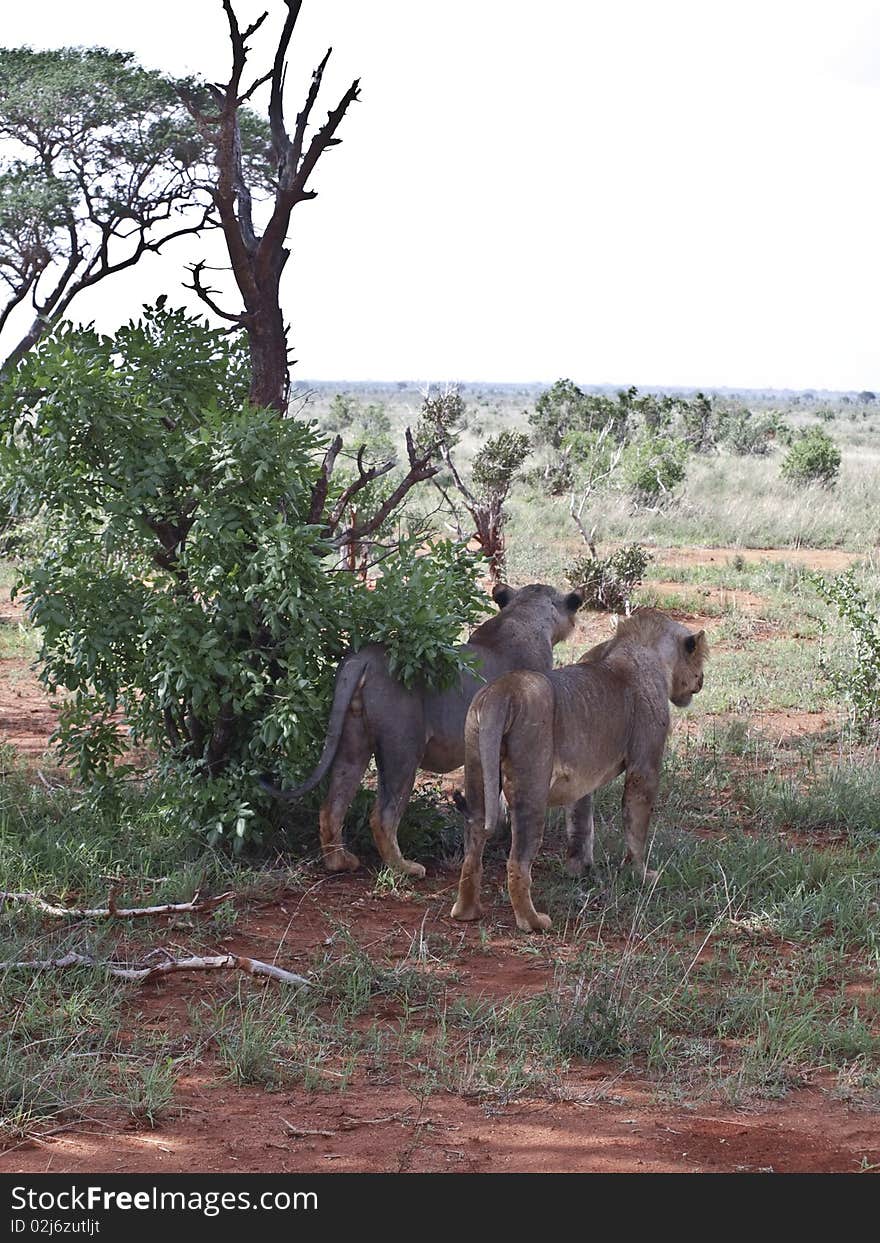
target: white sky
621 191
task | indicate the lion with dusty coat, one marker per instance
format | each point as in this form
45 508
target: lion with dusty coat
374 714
554 738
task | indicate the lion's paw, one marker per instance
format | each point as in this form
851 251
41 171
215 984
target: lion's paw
341 861
537 923
466 913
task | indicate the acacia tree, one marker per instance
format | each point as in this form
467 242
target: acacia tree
103 165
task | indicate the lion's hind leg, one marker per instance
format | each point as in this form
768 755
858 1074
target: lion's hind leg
467 904
580 831
347 772
396 762
639 795
528 810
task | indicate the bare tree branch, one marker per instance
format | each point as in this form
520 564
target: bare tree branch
420 468
259 260
196 904
280 139
324 138
595 477
164 964
302 119
364 478
255 86
322 483
204 293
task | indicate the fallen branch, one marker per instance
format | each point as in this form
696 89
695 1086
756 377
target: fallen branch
349 1124
140 974
111 910
300 1132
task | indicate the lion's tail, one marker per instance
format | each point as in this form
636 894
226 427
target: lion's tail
484 732
349 678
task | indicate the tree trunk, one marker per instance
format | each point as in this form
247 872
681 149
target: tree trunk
267 338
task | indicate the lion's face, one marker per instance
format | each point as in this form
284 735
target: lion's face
687 674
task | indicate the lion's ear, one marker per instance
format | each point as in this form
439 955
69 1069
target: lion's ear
574 600
502 594
693 641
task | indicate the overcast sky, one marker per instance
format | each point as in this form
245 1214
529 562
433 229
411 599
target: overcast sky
671 192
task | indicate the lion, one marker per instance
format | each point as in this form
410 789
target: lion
373 714
552 739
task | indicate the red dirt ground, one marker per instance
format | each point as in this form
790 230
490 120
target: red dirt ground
601 1121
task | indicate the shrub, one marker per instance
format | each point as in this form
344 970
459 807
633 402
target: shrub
588 429
493 473
564 408
496 464
700 422
609 582
180 584
556 478
564 411
750 435
653 467
361 425
859 684
812 458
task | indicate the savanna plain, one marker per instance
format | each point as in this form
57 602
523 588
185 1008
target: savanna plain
723 1018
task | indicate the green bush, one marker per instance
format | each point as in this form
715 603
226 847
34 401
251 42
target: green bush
859 682
587 430
700 423
653 468
564 408
496 464
556 478
565 411
750 435
812 458
361 425
180 585
609 582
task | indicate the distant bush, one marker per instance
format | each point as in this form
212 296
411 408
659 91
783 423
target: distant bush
496 464
653 467
564 413
556 478
812 458
751 435
564 409
700 423
609 582
369 425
